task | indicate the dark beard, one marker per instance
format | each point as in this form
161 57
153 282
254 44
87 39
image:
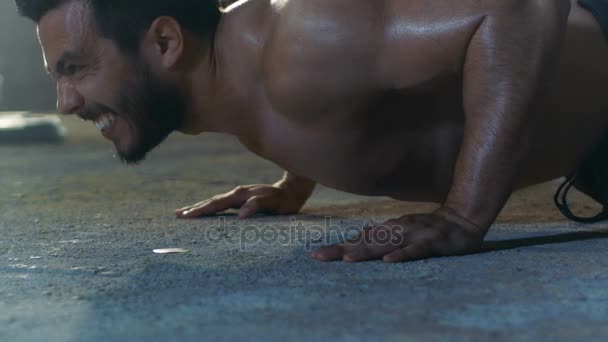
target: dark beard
155 109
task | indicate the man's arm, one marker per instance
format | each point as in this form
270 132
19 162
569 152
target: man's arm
508 61
286 196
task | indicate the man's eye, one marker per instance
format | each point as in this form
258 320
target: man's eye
72 69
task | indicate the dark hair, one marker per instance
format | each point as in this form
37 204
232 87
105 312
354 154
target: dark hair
125 21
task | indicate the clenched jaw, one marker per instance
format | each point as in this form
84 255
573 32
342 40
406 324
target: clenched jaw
104 122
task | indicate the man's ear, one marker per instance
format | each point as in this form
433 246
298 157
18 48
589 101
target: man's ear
163 44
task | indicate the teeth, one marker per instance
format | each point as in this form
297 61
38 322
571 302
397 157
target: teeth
104 121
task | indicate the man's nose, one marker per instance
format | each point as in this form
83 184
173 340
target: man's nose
68 98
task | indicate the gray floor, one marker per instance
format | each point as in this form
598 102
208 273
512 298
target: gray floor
77 231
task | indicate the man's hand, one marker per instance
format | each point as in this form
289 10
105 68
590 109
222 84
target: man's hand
285 197
411 237
249 200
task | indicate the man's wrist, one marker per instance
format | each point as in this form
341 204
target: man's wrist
300 185
480 211
454 216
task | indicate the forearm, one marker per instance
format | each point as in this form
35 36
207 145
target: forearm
509 59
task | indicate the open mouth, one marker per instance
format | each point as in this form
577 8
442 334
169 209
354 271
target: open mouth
104 122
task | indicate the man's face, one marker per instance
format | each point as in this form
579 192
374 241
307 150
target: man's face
131 106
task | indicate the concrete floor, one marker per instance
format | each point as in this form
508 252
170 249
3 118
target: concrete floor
77 230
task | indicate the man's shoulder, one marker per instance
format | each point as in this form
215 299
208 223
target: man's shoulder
317 52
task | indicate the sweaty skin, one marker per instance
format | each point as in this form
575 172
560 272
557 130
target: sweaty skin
455 102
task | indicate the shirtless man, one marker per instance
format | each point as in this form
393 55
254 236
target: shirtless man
455 102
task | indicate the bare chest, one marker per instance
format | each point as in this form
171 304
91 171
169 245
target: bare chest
392 145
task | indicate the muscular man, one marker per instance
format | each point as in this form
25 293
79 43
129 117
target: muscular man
456 102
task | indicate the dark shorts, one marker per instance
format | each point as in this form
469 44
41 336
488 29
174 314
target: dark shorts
591 177
599 8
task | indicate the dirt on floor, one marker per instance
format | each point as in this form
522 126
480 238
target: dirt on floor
78 232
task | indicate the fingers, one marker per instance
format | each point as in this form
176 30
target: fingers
410 253
250 199
179 212
336 252
412 237
375 242
372 244
329 253
210 207
232 200
358 254
258 204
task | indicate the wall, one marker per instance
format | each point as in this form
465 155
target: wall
26 85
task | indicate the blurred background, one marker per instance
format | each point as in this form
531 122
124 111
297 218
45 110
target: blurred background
24 84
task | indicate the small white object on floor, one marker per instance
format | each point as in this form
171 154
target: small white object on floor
24 127
170 250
